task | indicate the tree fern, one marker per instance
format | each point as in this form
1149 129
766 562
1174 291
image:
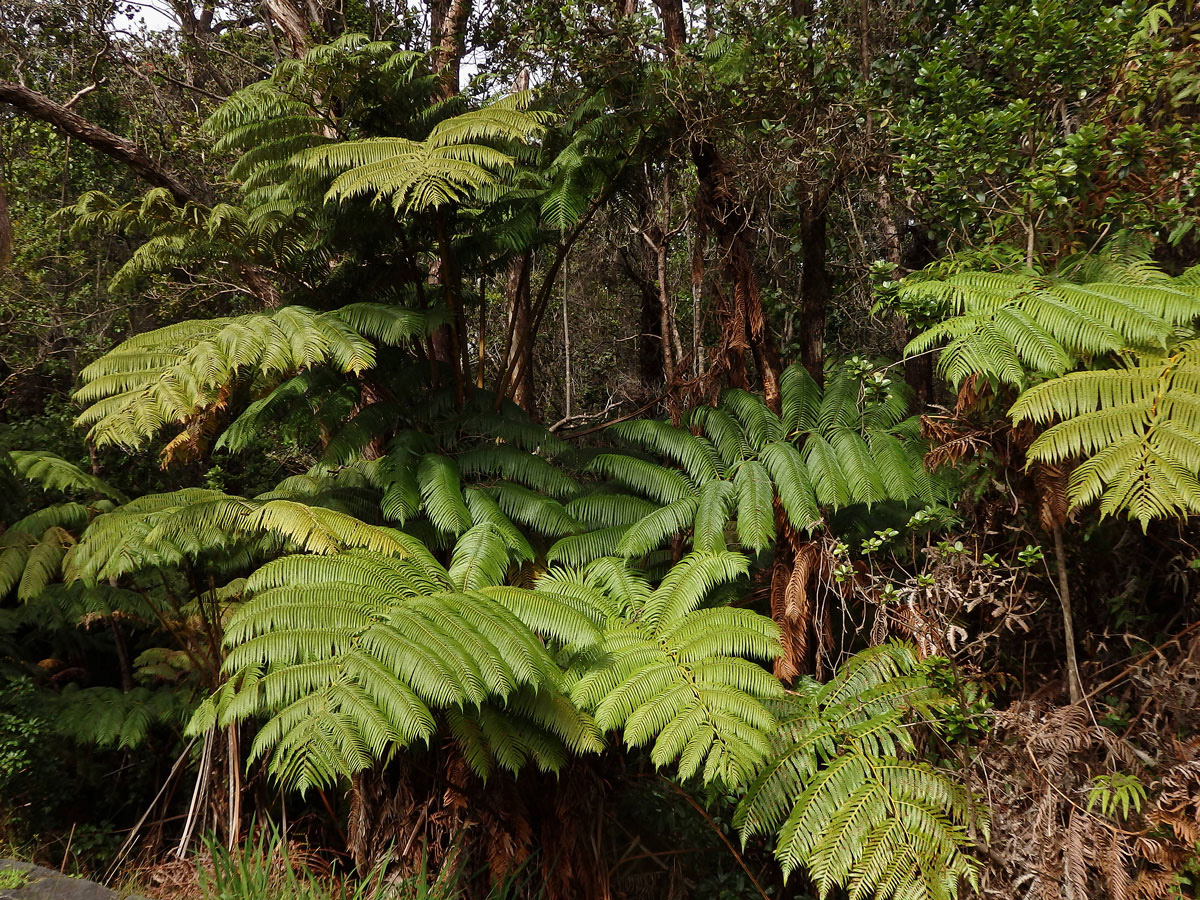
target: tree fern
1137 428
838 447
53 473
175 375
847 800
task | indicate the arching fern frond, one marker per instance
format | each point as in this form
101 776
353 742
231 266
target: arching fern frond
1137 428
847 800
677 676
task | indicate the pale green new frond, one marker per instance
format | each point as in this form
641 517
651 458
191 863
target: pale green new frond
441 494
651 531
175 374
350 655
696 456
655 481
1008 326
677 677
714 507
755 512
480 558
521 466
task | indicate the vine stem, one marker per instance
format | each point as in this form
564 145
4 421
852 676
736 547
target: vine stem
725 840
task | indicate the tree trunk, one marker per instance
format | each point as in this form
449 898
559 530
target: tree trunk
6 241
814 289
1074 681
719 207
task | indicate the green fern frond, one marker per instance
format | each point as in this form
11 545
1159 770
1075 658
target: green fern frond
53 473
1137 429
846 806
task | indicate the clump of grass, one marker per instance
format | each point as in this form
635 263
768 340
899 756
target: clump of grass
264 869
11 879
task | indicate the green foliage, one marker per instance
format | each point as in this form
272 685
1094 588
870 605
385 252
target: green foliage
263 869
1009 326
449 165
1110 793
675 673
849 802
351 655
828 450
1138 427
180 373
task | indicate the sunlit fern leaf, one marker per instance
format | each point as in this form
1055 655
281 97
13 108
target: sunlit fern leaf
53 473
847 802
1009 326
653 530
441 494
793 483
542 515
416 175
715 504
1136 427
480 558
486 511
521 466
43 564
580 549
696 456
174 374
678 677
651 479
349 656
602 510
166 529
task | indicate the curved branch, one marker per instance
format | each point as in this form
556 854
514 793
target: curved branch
121 149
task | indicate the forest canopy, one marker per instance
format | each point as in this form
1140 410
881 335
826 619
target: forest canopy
460 449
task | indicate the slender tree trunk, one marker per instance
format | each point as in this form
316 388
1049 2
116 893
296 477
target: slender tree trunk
1074 681
814 289
6 241
518 352
719 206
566 348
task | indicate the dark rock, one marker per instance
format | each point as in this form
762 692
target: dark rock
47 884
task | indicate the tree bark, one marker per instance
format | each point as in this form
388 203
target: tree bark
5 231
814 289
448 23
122 149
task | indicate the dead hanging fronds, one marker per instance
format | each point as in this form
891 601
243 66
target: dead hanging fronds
953 440
1082 811
801 581
1053 506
